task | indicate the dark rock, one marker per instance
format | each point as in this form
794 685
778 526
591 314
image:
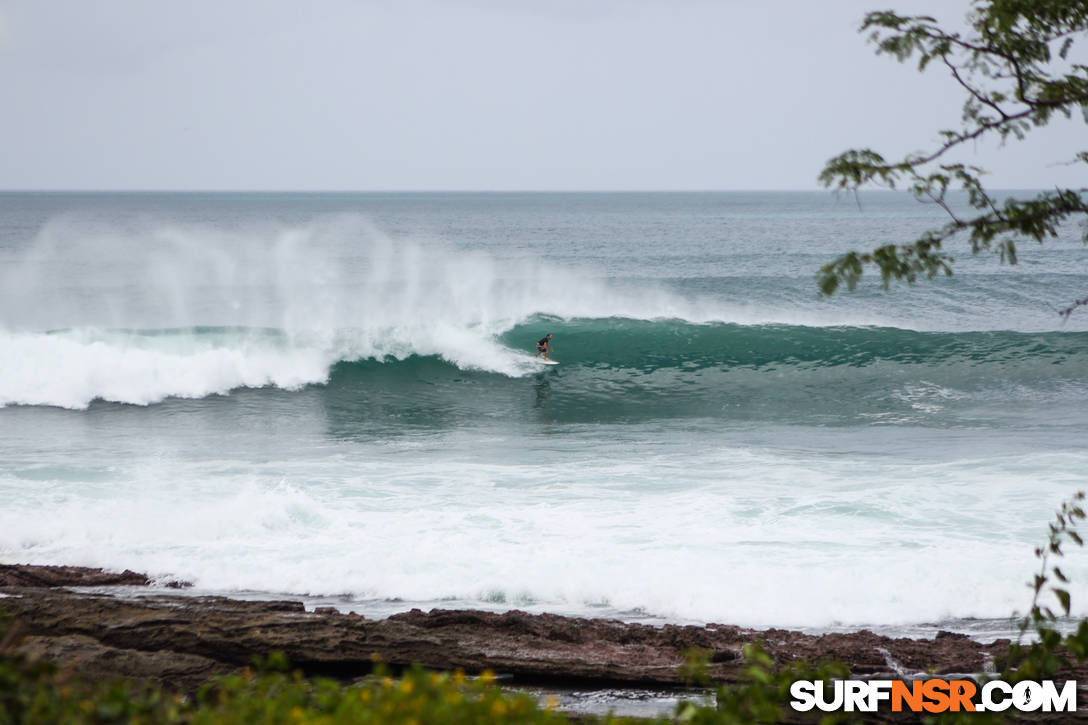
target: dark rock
531 648
943 634
29 575
94 660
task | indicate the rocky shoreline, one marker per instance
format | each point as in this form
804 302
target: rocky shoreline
181 641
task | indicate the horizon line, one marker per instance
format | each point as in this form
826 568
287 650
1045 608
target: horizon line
164 190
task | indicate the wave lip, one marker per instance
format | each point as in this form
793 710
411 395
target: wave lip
72 368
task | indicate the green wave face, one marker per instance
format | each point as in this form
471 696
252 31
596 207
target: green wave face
612 370
649 345
620 370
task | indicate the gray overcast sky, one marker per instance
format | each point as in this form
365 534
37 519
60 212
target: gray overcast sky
467 94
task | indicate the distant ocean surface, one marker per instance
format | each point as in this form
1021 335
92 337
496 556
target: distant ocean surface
334 396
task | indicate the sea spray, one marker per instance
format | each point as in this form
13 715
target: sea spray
330 273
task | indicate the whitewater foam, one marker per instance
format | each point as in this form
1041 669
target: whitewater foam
702 550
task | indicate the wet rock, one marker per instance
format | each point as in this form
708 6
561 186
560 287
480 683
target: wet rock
540 648
27 575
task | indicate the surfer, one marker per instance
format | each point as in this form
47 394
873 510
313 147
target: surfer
544 346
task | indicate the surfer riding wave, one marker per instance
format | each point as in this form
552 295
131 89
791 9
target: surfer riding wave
544 346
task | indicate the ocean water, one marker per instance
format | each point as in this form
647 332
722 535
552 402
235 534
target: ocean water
334 396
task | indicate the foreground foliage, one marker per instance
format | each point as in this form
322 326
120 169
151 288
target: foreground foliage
1051 650
764 694
1016 74
39 693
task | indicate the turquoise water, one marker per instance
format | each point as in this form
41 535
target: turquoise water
334 396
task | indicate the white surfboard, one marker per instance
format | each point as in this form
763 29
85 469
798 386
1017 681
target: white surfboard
547 362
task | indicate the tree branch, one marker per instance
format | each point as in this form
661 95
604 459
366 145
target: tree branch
1065 312
1006 66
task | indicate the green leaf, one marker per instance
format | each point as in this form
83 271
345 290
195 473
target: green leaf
1063 597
